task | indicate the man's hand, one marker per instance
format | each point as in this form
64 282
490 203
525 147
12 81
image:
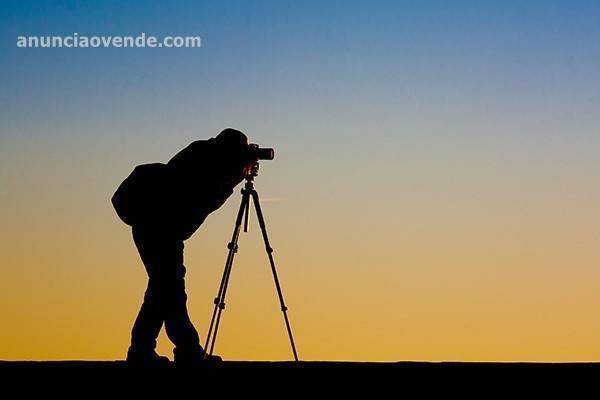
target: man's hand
249 168
241 174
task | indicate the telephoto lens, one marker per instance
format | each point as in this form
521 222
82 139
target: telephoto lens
261 153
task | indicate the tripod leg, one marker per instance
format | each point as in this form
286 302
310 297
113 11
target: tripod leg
246 216
219 301
269 249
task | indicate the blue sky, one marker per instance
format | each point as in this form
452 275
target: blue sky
382 56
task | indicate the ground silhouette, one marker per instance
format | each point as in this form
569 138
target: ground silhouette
312 379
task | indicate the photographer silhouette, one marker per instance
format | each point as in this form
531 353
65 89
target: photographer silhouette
165 204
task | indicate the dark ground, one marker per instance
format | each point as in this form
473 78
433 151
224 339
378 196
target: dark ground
403 368
312 365
263 378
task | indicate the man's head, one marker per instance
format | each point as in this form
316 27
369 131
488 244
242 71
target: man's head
233 139
232 146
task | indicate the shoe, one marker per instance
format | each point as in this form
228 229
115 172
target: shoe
146 359
189 358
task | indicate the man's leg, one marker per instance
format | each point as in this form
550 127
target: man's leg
151 315
179 328
166 298
149 321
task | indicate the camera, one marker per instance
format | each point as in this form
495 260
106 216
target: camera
260 153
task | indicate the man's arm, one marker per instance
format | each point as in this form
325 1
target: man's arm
192 159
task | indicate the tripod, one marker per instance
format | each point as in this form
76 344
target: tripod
248 194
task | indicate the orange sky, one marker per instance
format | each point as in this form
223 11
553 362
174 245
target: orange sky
497 263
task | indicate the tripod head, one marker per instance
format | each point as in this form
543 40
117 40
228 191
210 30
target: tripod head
251 172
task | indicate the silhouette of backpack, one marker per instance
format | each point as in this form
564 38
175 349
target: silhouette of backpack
142 196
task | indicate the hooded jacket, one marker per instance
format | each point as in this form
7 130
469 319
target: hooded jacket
176 197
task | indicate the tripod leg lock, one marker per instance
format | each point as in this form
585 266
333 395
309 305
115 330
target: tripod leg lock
222 306
216 300
232 246
269 249
284 308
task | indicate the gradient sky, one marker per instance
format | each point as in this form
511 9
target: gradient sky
434 195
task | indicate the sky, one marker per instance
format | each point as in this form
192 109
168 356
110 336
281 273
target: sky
433 197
